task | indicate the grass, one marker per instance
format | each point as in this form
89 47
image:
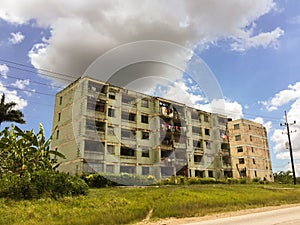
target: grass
130 205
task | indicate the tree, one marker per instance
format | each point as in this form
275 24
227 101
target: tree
25 151
283 177
8 113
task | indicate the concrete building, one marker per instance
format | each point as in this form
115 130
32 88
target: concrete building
103 128
250 154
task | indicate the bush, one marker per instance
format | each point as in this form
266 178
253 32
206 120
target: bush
99 180
41 184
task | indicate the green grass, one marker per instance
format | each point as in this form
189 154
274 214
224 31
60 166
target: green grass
130 205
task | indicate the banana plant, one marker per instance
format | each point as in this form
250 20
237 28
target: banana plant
26 151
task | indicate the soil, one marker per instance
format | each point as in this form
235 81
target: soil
171 221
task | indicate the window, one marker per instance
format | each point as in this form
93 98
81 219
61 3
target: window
251 138
222 120
110 130
199 173
111 95
237 137
145 135
210 173
241 161
126 133
96 87
128 99
111 149
145 103
167 171
94 146
145 170
144 119
240 149
195 115
196 130
252 149
197 158
206 131
197 143
125 151
249 126
95 125
127 169
110 169
236 126
59 115
111 112
128 116
60 100
253 160
206 119
145 152
97 105
57 134
208 144
255 173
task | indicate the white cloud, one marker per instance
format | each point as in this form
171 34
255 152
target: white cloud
267 125
84 30
283 97
279 137
12 96
21 84
294 20
16 38
232 109
4 70
265 39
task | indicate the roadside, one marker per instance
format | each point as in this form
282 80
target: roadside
180 221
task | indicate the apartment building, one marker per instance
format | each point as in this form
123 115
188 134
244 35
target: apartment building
100 127
249 150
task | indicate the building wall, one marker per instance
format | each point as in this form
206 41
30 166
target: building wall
249 150
104 128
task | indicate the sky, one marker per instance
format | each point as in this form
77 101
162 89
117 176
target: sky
250 47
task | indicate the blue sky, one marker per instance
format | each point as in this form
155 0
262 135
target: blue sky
251 47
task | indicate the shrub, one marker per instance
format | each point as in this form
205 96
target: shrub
99 180
40 184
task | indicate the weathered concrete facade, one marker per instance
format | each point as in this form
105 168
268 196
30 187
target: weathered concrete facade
249 150
103 128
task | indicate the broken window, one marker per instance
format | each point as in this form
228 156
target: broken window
126 151
111 149
241 161
145 135
240 149
144 119
206 131
145 152
197 158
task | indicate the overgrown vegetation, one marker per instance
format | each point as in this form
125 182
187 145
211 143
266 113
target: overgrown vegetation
124 205
27 167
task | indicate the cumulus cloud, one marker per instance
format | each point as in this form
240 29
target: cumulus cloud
283 97
16 38
21 84
265 40
4 70
267 125
83 30
291 95
12 96
232 109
